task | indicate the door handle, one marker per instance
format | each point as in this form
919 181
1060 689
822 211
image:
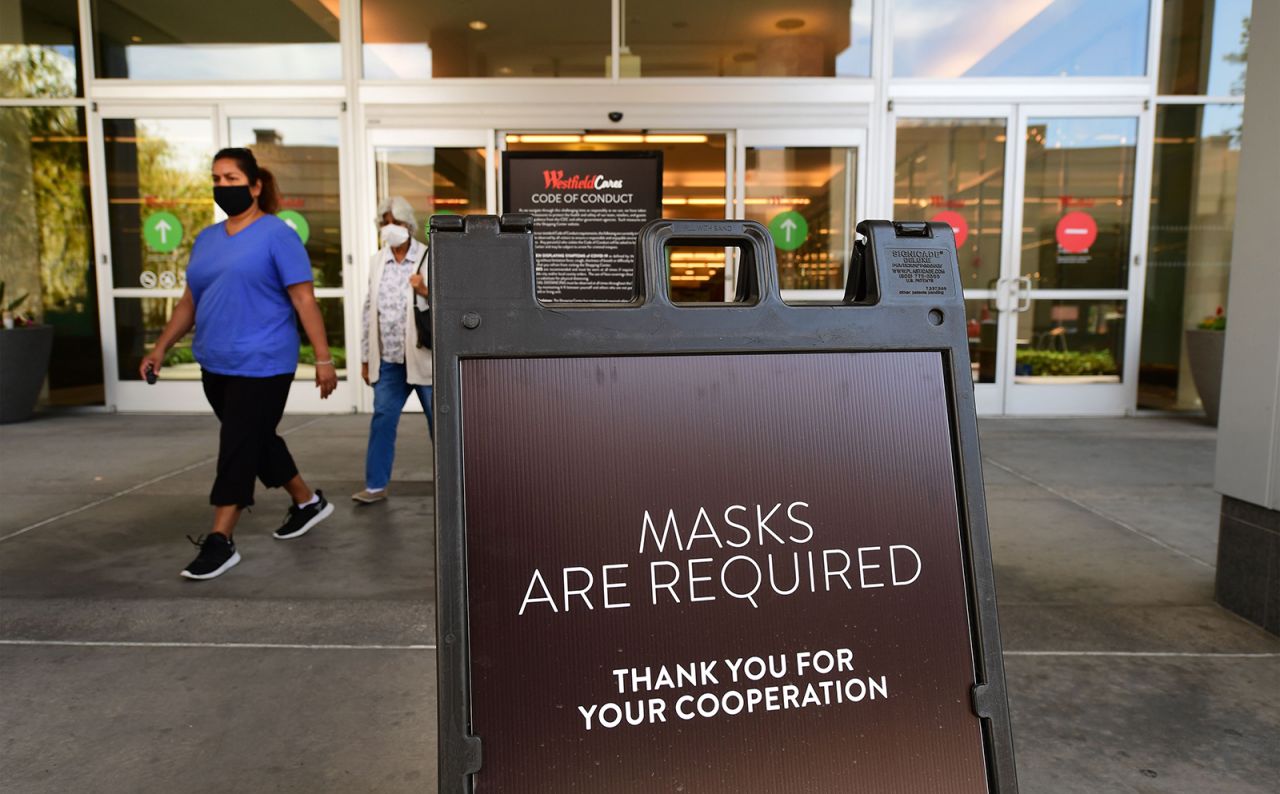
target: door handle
1023 293
995 285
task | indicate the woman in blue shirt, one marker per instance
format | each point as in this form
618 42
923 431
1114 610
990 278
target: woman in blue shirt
248 279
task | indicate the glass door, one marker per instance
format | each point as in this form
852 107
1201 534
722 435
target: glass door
1071 344
806 186
157 198
952 165
302 147
439 172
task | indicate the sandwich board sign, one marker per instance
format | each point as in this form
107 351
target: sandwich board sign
717 548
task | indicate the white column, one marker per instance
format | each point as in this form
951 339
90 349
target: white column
1248 462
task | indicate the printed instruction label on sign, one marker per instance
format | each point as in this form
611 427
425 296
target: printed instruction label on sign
919 271
296 221
162 232
789 230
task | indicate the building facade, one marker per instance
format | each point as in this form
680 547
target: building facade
1084 151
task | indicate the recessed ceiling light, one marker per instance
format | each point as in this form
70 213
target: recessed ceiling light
790 23
505 70
135 39
478 24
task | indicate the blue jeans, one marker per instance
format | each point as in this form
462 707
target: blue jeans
389 395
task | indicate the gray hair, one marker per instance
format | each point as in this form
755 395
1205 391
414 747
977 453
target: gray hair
400 209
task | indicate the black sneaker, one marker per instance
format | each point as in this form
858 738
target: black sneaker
300 520
217 556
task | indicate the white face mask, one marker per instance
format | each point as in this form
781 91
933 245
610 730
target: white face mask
394 235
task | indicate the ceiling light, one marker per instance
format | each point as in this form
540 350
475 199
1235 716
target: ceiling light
545 138
790 23
135 39
478 24
613 139
675 139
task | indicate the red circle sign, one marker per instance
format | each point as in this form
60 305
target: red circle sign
1076 232
959 226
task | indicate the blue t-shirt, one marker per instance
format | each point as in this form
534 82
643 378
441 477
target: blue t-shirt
244 319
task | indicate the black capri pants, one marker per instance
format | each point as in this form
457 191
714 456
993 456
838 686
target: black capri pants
248 446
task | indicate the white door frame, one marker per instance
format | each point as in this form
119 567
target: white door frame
1085 399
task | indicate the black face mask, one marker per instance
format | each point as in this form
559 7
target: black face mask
233 199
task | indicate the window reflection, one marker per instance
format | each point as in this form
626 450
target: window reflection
302 154
1070 341
982 326
952 171
1019 38
436 180
46 248
1204 46
39 48
805 196
417 39
1197 163
229 40
734 38
157 173
1078 202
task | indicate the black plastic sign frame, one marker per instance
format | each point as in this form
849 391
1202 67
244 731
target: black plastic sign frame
812 606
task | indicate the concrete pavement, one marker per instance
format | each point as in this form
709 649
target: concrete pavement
310 667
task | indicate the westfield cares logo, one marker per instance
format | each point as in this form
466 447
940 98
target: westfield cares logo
556 180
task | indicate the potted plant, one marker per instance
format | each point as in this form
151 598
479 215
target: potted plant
1205 345
24 359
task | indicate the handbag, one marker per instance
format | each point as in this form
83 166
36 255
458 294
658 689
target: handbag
422 317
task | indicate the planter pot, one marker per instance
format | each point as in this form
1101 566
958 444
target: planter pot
1204 351
24 361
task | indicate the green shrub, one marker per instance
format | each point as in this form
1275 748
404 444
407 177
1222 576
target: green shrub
179 355
1063 362
307 355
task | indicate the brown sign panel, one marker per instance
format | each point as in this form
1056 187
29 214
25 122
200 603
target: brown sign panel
717 573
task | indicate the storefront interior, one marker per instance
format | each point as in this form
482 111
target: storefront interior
1085 154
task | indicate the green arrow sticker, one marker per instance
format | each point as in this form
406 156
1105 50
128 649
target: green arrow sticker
295 221
162 231
789 230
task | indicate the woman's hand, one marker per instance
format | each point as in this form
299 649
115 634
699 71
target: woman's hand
153 361
181 321
419 284
326 379
364 373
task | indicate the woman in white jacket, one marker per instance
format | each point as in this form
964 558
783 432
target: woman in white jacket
391 360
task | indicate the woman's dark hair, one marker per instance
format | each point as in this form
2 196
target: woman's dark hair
269 198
